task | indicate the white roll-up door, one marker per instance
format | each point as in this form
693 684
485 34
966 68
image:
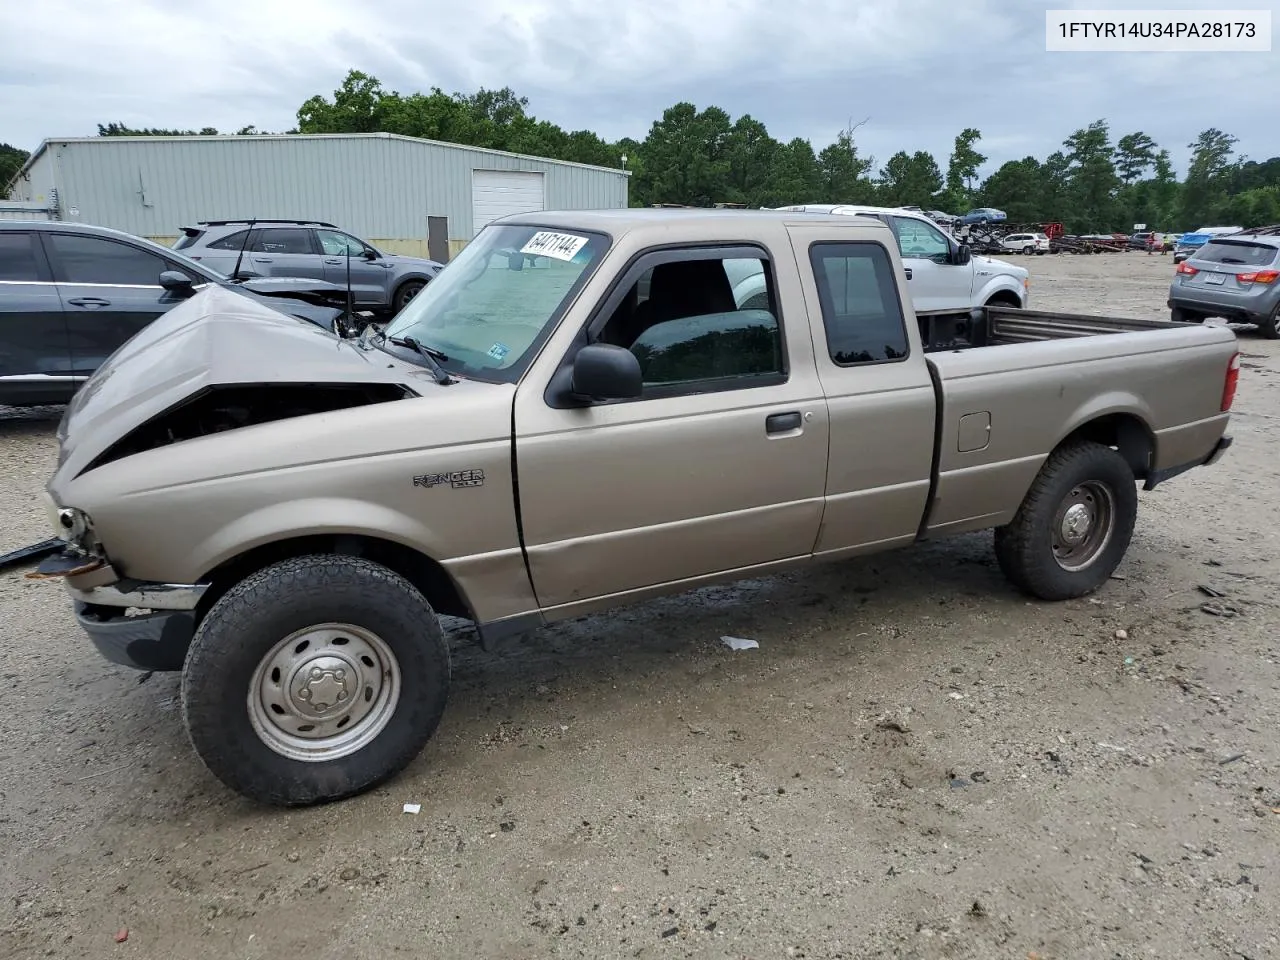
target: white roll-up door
500 193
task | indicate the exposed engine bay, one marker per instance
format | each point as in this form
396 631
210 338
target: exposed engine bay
229 407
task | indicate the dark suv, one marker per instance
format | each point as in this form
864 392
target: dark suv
71 294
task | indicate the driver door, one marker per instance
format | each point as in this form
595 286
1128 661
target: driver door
719 466
936 283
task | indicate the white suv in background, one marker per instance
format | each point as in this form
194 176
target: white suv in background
1027 243
942 274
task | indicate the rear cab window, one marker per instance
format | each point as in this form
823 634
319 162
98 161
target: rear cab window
861 311
1243 253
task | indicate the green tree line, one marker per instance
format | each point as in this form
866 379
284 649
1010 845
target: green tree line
1094 182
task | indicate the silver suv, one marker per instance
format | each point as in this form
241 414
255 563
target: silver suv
380 282
1236 277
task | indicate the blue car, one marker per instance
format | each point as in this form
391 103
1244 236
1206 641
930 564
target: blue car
1189 243
983 215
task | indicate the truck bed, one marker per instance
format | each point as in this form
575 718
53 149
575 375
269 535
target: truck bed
996 326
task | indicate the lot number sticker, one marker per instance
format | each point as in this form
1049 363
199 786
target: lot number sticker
548 243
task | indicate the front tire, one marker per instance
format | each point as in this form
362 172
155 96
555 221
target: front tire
1074 525
315 679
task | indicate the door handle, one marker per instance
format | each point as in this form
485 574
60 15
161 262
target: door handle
333 260
782 422
91 303
908 271
263 260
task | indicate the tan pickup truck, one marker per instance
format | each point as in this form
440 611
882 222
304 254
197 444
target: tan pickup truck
574 415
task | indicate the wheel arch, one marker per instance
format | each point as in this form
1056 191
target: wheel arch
426 574
416 277
1126 431
1003 297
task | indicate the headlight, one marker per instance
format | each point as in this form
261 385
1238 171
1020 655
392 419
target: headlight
76 527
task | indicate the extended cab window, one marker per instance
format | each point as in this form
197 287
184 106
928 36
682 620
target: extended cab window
701 324
918 240
861 312
18 258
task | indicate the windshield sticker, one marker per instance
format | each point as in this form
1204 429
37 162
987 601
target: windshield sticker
548 243
499 351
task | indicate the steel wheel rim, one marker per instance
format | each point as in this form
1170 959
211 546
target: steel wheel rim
324 692
1083 525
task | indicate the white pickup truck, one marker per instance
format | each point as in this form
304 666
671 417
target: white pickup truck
944 277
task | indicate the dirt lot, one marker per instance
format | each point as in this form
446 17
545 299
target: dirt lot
917 762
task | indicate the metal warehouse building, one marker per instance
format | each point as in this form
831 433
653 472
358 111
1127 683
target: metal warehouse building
403 194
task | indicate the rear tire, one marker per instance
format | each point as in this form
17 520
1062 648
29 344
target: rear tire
1179 315
1270 327
406 292
1074 525
314 679
1028 251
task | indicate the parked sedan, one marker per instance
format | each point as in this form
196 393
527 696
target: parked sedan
71 294
984 215
1235 277
380 282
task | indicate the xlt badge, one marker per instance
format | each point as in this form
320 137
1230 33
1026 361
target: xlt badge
458 478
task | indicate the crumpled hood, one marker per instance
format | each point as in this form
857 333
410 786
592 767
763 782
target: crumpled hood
219 336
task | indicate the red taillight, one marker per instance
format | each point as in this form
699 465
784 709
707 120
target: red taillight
1259 276
1187 268
1229 386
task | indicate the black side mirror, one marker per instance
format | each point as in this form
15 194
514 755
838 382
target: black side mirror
175 281
961 255
604 371
371 255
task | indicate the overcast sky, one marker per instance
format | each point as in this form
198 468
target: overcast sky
920 70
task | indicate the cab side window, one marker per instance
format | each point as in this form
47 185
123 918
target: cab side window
861 312
918 240
699 325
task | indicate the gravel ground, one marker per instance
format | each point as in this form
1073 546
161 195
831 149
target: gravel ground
917 762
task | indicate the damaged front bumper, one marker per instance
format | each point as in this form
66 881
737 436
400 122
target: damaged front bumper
134 623
146 626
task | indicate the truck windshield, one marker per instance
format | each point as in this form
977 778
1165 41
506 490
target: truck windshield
491 308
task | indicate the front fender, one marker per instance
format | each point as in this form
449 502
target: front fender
310 517
988 287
